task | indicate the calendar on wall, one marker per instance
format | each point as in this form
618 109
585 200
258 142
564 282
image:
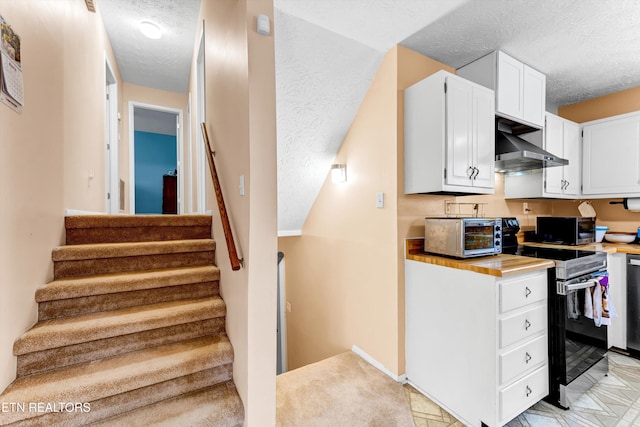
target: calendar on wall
11 83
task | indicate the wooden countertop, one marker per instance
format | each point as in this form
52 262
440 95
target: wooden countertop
610 248
494 265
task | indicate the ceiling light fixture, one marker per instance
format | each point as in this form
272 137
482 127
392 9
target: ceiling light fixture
150 30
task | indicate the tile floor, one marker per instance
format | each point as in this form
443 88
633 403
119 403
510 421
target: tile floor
613 402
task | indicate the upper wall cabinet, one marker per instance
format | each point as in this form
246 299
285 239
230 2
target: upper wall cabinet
520 90
562 138
449 136
611 156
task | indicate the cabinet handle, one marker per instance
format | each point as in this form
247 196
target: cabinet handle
477 173
529 391
472 169
566 185
527 358
527 324
527 292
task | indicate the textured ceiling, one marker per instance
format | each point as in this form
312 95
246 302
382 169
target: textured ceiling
164 63
586 48
327 52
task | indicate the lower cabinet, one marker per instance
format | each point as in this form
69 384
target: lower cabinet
477 344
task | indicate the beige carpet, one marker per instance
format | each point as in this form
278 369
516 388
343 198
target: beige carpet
343 390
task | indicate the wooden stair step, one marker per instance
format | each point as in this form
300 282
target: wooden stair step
101 379
68 331
218 406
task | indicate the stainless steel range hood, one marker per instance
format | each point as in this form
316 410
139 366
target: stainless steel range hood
514 154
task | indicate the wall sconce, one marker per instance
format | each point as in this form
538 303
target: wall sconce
338 173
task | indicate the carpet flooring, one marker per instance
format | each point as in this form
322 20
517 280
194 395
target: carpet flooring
343 390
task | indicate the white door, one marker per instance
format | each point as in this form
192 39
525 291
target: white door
554 143
611 157
484 151
510 82
571 133
201 118
112 178
459 115
533 96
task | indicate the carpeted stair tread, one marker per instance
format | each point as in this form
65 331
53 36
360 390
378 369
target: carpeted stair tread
125 282
130 249
68 331
96 380
119 221
218 406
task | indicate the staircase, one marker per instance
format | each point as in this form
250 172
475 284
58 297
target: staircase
131 332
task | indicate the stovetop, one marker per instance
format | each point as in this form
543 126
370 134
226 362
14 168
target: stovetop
555 254
570 263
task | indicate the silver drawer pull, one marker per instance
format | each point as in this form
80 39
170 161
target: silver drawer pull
529 391
527 325
527 292
527 358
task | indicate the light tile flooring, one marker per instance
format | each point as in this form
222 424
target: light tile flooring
613 402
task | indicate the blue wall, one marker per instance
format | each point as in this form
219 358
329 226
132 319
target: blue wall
155 156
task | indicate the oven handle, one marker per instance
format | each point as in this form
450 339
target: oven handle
582 285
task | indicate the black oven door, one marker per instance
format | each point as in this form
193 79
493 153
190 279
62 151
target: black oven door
576 344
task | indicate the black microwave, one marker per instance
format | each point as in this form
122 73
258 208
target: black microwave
566 230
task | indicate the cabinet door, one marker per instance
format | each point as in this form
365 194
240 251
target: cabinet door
611 157
553 143
571 137
510 84
534 96
484 157
459 132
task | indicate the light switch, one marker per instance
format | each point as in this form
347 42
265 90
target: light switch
241 186
380 200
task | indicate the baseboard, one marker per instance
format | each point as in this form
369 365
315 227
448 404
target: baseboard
373 362
75 212
289 233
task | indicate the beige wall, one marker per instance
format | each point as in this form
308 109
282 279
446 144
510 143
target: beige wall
48 150
155 97
621 102
240 117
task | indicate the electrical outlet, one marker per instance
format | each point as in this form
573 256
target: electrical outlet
288 307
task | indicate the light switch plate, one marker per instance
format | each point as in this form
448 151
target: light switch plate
380 200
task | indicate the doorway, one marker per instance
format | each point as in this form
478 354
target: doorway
155 173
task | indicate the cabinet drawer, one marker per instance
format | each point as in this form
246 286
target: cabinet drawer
524 393
523 325
518 293
522 359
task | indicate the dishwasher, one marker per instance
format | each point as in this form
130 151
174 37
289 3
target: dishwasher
633 304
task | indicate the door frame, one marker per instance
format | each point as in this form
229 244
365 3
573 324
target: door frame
179 143
112 176
201 195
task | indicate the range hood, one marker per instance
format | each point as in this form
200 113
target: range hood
514 154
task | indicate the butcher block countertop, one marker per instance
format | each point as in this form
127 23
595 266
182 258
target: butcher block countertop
494 265
610 248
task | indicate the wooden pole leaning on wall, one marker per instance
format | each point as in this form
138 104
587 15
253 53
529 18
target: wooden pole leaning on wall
236 261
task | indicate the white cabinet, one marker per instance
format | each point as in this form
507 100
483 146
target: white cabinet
520 90
449 136
477 344
562 138
611 156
